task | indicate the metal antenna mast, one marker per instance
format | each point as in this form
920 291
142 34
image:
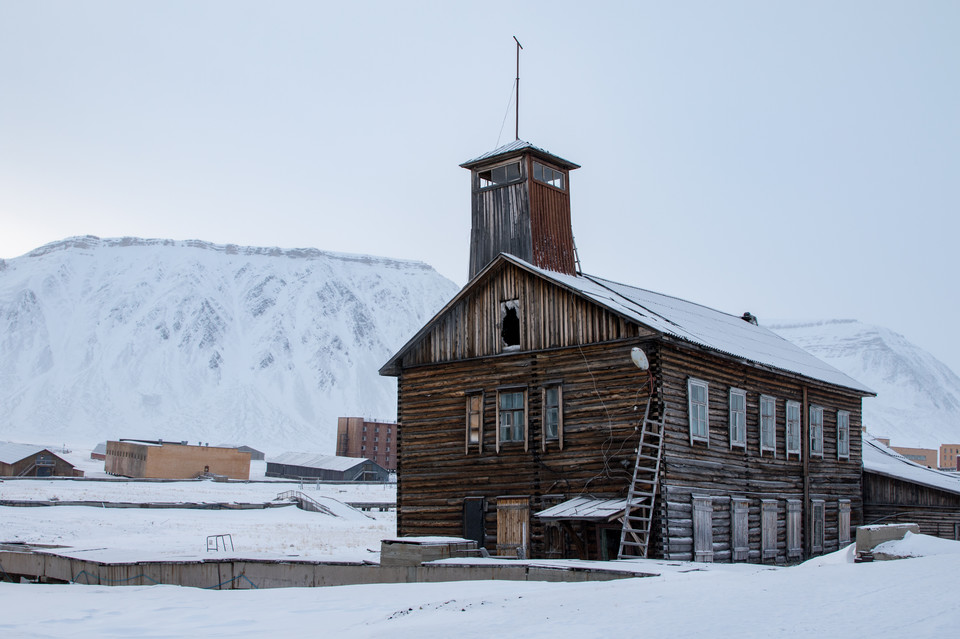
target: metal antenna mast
517 117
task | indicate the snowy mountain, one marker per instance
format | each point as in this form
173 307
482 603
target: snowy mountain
193 341
918 396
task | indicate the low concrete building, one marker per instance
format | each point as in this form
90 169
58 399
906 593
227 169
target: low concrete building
325 468
28 460
169 460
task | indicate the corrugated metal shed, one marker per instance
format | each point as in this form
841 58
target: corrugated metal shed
318 461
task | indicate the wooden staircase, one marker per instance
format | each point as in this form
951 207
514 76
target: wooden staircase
638 513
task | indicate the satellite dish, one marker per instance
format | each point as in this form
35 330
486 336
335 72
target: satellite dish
639 358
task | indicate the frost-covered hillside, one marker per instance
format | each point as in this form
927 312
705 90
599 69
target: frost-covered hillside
918 396
200 342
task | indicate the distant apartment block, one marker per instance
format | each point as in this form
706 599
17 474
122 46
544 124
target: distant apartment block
376 441
924 456
950 456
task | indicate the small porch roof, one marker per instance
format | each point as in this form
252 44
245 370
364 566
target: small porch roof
593 509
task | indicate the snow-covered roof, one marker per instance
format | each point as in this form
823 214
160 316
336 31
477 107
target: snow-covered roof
514 147
883 460
317 460
680 319
11 453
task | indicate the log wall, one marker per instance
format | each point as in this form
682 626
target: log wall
887 500
715 469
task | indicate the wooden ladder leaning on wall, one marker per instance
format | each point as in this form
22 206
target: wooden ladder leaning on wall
638 513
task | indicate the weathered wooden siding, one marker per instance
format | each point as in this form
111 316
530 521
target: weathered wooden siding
603 399
501 224
549 318
724 473
550 223
889 500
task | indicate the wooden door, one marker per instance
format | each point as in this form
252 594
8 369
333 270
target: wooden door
513 526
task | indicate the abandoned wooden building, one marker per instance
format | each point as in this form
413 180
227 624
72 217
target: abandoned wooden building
28 460
898 490
549 413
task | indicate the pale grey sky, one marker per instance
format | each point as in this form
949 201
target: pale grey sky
798 160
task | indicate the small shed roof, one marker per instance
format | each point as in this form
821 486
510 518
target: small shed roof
517 147
584 509
319 461
883 460
11 453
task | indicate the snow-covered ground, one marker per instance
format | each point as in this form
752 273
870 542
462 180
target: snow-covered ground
827 597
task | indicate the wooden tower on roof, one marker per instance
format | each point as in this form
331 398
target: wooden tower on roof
521 206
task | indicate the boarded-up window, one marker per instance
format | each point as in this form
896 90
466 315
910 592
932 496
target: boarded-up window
768 424
844 523
793 428
794 537
816 431
768 528
699 410
816 526
738 418
513 526
843 435
553 415
474 434
702 528
740 528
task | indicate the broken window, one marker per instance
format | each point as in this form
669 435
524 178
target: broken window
510 324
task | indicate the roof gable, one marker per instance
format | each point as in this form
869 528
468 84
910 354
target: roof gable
669 316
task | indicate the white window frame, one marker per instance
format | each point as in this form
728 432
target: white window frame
843 434
768 432
695 415
526 421
738 417
793 428
816 431
545 416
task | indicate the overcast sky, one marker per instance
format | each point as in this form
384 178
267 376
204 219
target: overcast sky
797 160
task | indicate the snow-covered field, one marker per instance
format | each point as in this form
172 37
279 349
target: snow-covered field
826 597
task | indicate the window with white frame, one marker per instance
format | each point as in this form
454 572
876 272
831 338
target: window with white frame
738 418
793 428
552 414
511 416
768 424
843 434
699 411
816 431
